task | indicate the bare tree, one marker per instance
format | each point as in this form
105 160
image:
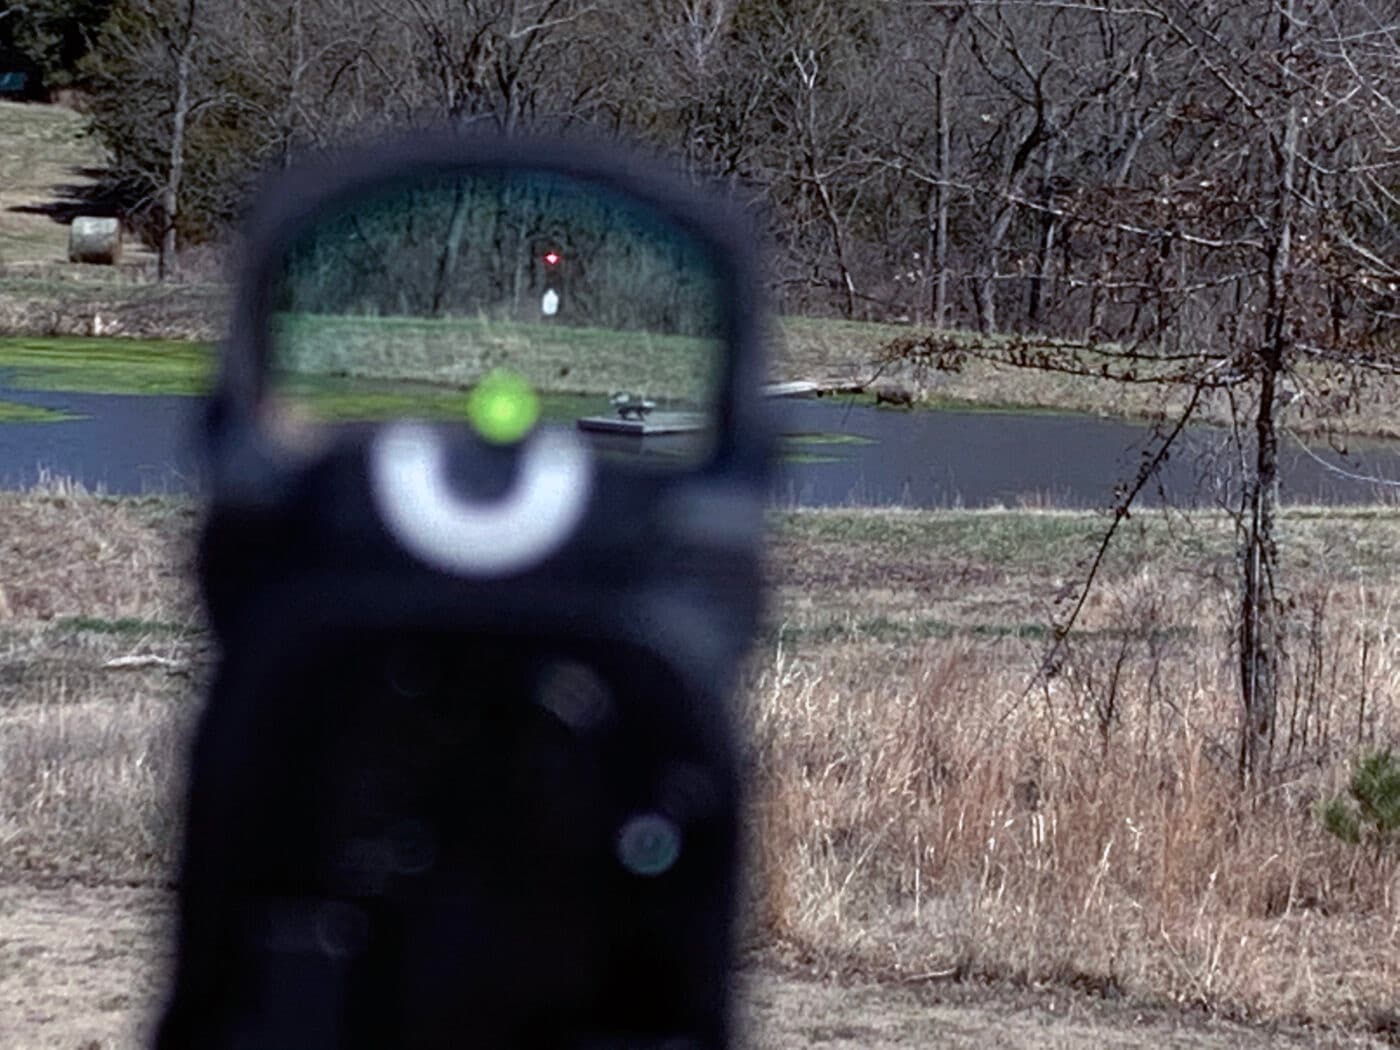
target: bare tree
818 105
497 62
1235 245
310 70
693 86
153 75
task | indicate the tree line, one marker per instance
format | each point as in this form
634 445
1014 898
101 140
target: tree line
1058 167
491 245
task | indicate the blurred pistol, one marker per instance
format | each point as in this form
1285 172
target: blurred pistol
467 773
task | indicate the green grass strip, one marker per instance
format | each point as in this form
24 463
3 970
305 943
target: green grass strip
125 626
106 366
823 438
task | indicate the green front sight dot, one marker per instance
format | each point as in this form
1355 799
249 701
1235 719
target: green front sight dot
503 407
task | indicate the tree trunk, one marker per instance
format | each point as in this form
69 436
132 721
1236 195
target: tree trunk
987 280
1261 629
296 71
1046 248
838 241
170 198
832 216
451 248
1259 626
940 222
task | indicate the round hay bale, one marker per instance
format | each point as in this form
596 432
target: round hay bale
95 240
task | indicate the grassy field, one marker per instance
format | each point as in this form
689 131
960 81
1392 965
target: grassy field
44 148
917 810
106 366
455 352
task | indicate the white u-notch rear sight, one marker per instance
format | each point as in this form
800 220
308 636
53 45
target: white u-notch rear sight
419 504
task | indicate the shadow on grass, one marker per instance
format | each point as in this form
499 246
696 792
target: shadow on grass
103 194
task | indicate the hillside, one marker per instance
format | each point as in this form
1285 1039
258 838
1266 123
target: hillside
48 170
45 153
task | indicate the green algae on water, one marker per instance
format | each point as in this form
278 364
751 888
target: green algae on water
14 412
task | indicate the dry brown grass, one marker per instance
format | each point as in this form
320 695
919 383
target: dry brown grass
916 812
88 746
919 811
67 552
918 821
89 759
62 302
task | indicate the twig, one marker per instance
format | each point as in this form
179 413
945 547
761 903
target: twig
951 973
1121 511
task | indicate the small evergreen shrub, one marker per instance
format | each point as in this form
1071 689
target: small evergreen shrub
1370 810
